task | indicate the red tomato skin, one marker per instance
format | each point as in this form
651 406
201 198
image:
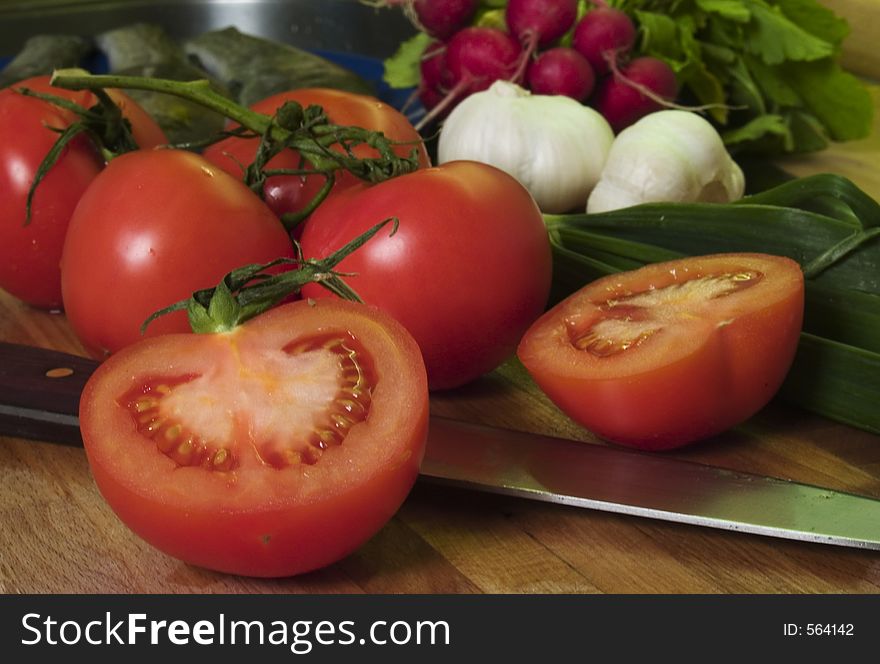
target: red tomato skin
145 130
243 522
467 271
732 371
30 254
290 193
154 227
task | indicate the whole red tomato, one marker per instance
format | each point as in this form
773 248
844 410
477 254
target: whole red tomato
467 272
30 252
198 457
290 193
673 352
152 228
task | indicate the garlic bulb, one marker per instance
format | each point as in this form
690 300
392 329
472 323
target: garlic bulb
667 156
553 145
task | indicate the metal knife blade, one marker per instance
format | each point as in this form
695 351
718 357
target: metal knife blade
39 396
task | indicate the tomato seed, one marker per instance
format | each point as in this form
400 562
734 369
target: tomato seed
627 318
147 403
351 406
172 436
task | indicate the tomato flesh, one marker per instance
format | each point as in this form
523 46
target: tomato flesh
672 353
320 386
270 450
631 319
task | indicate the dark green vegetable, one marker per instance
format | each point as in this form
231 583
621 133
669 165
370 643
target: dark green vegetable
824 222
769 68
140 44
836 380
144 49
42 54
253 68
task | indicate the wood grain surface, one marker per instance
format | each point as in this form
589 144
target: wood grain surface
58 536
860 53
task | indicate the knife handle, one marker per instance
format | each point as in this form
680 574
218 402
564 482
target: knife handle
39 392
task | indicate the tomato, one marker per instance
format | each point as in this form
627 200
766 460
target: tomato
30 253
467 272
291 193
273 449
673 352
152 228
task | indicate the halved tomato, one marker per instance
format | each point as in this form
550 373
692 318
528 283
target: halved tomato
673 352
273 449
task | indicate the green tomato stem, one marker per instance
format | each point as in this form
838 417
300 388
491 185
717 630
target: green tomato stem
312 138
199 92
252 289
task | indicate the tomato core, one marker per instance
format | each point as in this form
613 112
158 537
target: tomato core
624 322
285 410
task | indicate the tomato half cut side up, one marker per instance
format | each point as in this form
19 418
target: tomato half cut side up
673 352
271 450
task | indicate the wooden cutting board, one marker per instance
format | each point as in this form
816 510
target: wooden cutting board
58 535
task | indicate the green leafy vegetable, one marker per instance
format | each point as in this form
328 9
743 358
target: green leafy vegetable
776 39
767 68
402 68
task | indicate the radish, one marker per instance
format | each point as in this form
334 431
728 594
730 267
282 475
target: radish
476 57
480 56
561 71
434 78
443 18
603 34
644 85
539 23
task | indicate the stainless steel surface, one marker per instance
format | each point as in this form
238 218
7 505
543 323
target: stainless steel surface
647 485
309 24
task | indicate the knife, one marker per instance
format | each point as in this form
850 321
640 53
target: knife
39 400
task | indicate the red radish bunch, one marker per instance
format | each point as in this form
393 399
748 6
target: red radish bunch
629 90
540 23
433 75
638 88
561 71
471 61
443 18
600 68
477 57
603 35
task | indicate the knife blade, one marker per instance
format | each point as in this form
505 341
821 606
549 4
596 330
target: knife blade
39 398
